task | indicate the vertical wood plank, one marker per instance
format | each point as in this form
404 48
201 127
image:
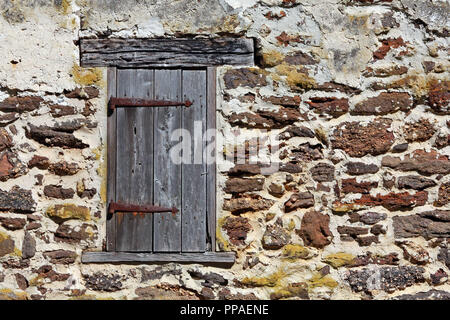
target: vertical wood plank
111 162
134 162
194 168
211 159
167 174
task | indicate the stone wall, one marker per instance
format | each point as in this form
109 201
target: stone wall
357 92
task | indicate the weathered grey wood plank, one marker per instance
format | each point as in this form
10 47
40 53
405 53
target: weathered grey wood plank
111 159
124 257
194 166
167 174
210 150
164 59
221 45
134 163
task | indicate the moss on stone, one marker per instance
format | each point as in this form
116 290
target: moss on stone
339 259
295 251
63 212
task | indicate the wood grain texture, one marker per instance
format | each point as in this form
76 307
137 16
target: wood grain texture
194 165
167 174
135 162
211 159
124 257
165 52
111 160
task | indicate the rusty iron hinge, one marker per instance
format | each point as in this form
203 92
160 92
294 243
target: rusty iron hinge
133 102
122 207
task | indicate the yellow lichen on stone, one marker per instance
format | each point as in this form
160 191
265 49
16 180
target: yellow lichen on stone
8 294
63 212
291 225
87 76
295 78
292 290
269 281
272 58
102 171
339 259
223 244
317 280
295 251
6 245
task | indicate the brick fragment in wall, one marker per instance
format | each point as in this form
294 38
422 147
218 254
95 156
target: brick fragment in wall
247 203
384 103
60 256
442 141
89 92
387 45
237 229
425 163
443 195
315 230
388 279
28 246
10 166
394 201
17 200
75 234
64 168
331 106
244 77
5 139
158 273
103 282
239 185
306 152
12 223
413 252
58 192
209 279
20 104
360 168
439 98
299 200
322 172
53 138
352 186
296 131
264 119
425 295
393 70
358 139
285 101
275 237
428 224
422 130
8 118
61 111
47 272
164 292
414 182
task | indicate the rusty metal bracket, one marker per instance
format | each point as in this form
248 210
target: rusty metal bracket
122 207
133 102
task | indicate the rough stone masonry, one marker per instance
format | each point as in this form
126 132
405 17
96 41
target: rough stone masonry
358 92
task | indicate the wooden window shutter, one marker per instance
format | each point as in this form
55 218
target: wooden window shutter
144 171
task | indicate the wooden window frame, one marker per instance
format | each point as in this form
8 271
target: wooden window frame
204 53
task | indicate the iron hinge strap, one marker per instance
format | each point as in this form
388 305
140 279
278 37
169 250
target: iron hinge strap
124 207
134 102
